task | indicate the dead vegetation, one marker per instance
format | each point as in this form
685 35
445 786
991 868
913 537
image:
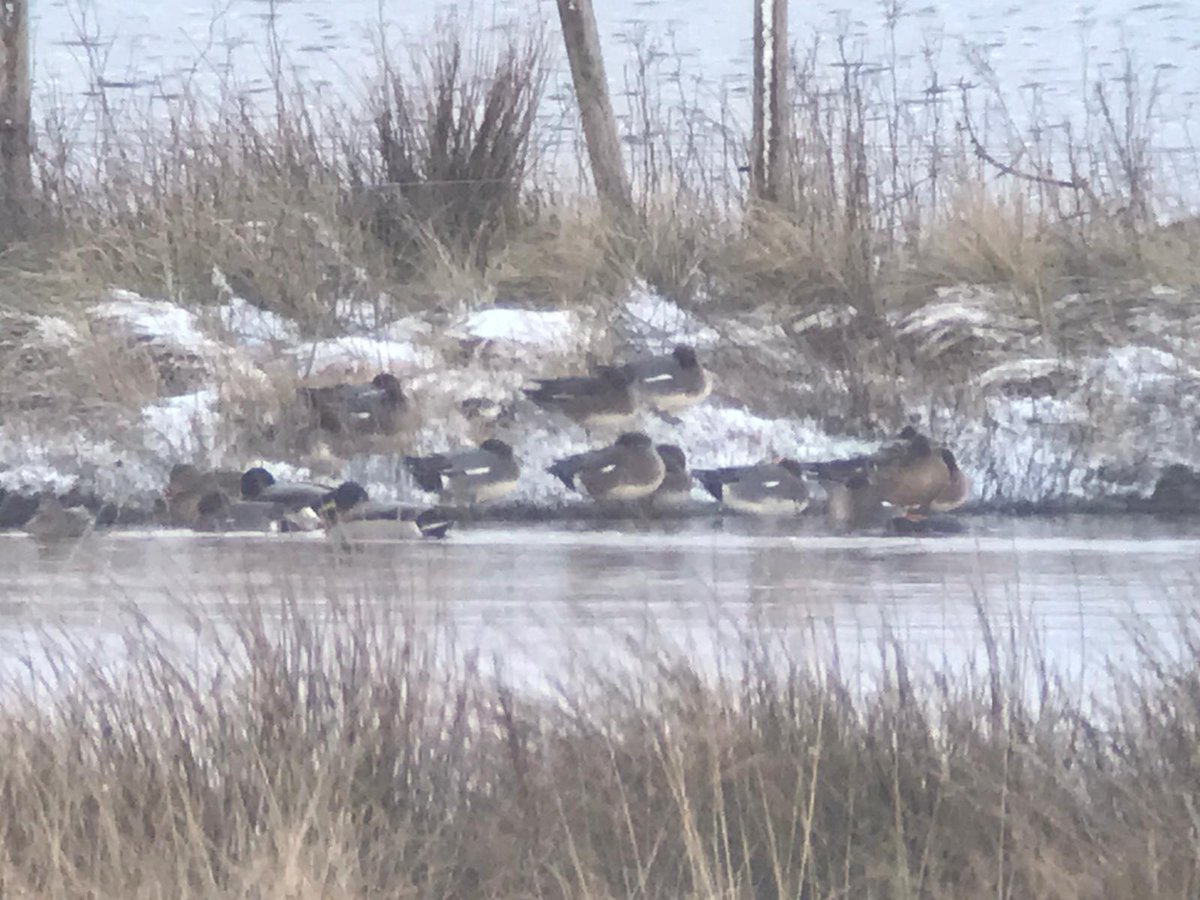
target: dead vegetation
348 753
452 184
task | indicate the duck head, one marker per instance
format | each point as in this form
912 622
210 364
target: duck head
497 447
255 481
634 440
672 457
685 356
390 385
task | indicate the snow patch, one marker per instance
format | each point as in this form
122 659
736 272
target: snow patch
558 329
154 321
57 332
251 326
357 353
183 427
654 319
1138 366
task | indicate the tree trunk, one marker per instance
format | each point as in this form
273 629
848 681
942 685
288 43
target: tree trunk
599 123
16 182
772 114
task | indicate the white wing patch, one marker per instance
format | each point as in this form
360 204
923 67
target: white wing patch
611 467
478 470
666 376
770 484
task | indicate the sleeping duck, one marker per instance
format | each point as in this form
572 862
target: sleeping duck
629 469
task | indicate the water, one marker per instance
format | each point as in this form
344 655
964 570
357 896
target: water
535 596
1040 61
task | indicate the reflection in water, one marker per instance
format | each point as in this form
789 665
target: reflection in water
533 594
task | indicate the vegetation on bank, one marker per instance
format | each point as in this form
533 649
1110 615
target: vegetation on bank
342 752
461 175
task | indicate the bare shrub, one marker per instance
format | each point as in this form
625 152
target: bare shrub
455 140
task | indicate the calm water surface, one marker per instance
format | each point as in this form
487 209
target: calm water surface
1040 59
529 594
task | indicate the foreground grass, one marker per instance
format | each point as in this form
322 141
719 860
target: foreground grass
342 754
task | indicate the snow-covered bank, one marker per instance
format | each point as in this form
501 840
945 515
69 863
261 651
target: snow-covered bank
1030 426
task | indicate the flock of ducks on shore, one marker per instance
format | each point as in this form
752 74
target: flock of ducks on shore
906 480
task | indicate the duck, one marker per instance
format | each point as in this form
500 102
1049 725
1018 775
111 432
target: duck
187 484
53 521
260 485
853 503
957 490
377 407
917 476
350 515
216 512
629 469
672 381
676 488
16 508
765 489
487 473
912 474
605 399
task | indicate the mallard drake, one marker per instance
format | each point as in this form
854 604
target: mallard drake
350 515
628 469
605 399
217 512
469 477
766 489
187 484
373 408
676 488
53 521
670 382
260 485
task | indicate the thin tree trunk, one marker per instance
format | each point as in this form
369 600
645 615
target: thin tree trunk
770 140
16 181
599 124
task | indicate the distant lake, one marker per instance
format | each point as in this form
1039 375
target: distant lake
1039 57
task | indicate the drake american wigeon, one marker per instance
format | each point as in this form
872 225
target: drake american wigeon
676 487
605 399
486 473
53 521
670 382
260 485
350 515
377 407
628 469
766 489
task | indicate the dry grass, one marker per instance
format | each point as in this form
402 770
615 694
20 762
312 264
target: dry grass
449 186
342 753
